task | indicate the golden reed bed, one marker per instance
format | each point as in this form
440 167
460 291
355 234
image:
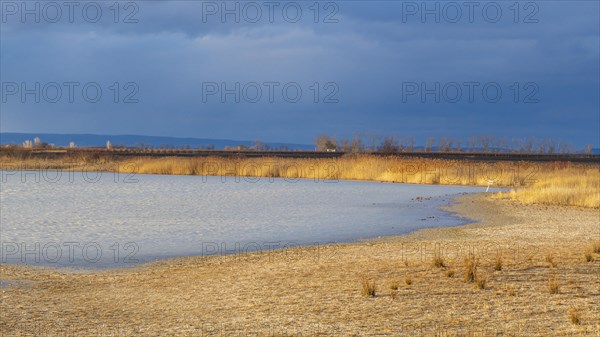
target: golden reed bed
554 183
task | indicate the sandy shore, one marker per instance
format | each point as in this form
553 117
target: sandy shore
316 291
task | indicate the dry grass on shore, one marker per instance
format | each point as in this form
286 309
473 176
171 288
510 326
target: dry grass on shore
569 187
545 183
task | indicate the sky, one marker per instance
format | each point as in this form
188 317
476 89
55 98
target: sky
289 71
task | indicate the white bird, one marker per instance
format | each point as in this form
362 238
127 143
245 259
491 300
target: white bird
490 182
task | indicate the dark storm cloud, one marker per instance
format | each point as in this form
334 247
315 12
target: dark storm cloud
369 55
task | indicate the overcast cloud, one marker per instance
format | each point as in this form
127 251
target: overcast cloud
365 64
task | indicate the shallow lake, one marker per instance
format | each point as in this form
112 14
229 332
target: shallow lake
100 220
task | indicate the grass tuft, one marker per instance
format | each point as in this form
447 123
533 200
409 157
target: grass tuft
368 288
498 263
575 316
481 282
550 259
471 264
596 247
511 290
553 286
438 261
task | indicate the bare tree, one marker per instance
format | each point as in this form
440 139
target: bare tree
325 143
516 145
486 142
356 144
374 140
410 144
528 146
400 144
260 146
429 144
541 146
551 146
471 141
344 145
389 145
565 147
444 144
499 144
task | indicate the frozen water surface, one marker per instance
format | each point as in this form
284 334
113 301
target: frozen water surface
107 220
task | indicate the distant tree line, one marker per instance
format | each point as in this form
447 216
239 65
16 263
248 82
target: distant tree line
365 142
373 142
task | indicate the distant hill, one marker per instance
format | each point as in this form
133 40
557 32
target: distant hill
137 140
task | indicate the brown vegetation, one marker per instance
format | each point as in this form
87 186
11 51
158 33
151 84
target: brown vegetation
568 186
368 287
470 273
575 316
498 263
553 285
438 261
